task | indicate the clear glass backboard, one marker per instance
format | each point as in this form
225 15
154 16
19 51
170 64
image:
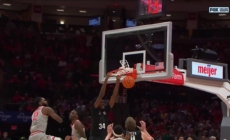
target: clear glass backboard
146 48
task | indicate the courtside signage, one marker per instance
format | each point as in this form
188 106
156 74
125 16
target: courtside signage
207 70
219 10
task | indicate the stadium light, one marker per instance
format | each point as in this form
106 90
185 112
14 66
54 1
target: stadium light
221 15
62 22
82 11
60 10
6 4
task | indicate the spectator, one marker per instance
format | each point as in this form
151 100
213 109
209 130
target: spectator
5 136
14 80
10 25
80 105
212 138
26 86
41 84
16 97
192 137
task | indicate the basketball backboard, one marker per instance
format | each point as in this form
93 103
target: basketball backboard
146 48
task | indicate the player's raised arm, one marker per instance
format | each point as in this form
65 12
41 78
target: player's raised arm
79 128
115 92
109 132
50 112
144 133
102 92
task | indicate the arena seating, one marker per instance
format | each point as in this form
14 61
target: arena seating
61 67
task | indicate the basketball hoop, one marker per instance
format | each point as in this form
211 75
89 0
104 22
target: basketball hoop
124 70
124 63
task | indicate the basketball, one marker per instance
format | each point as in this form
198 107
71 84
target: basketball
128 82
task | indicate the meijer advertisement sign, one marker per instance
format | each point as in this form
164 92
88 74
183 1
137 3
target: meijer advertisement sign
207 70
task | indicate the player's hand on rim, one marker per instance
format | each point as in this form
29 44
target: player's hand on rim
108 75
143 126
118 77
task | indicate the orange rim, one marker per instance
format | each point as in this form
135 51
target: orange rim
133 74
113 71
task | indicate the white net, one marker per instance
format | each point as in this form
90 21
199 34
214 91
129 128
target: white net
124 69
124 63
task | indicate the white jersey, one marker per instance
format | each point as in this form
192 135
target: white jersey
39 121
75 135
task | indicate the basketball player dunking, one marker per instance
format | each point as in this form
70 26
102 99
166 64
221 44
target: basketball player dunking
99 111
141 134
78 130
40 120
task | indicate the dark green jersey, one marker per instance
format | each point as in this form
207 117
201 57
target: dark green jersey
135 135
99 121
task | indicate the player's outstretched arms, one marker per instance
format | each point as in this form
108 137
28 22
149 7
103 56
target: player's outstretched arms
146 136
109 132
79 128
50 112
144 133
115 92
102 92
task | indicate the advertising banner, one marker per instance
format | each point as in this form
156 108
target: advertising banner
176 79
8 116
207 70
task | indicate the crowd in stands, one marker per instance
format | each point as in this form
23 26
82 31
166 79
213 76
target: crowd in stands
60 68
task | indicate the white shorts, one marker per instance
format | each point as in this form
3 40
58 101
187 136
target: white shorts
43 136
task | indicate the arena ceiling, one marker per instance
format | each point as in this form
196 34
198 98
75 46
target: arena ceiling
177 9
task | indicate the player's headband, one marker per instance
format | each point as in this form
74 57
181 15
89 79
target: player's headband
117 135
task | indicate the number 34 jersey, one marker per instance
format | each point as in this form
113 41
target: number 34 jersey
100 121
39 121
